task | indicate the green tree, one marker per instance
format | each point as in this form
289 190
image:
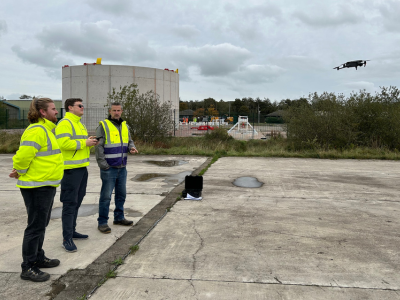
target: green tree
183 106
244 110
209 102
148 118
237 104
26 97
211 111
199 112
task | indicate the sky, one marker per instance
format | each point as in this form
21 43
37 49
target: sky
223 49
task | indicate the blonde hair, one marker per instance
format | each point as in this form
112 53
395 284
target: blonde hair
36 105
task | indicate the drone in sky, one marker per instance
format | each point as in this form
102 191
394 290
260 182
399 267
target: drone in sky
351 64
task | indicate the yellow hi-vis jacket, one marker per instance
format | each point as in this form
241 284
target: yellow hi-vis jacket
116 143
71 136
39 161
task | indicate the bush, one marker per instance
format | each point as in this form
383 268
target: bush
219 134
337 122
148 119
273 120
9 142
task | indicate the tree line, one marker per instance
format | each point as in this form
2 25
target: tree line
244 106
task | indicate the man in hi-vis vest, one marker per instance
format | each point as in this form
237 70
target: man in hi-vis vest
72 137
39 168
111 153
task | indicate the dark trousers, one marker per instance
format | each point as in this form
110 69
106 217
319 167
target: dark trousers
73 189
38 202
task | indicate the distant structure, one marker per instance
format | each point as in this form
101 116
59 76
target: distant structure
92 82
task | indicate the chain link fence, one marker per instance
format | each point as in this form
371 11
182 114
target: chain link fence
252 127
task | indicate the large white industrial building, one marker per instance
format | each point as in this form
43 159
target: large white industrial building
92 83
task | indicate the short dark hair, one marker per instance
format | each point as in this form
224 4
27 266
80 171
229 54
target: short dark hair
71 102
115 104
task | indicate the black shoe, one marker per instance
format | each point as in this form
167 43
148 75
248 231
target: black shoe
104 228
34 274
79 236
47 263
123 222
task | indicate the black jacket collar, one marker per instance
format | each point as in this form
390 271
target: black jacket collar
118 122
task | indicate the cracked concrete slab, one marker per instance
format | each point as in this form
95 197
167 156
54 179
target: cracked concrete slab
148 289
141 199
316 229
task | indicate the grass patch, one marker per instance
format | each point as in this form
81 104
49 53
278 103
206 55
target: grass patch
111 274
118 261
219 145
134 249
9 142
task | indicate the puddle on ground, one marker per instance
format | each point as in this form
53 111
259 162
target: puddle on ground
132 213
166 163
248 182
170 179
148 176
84 211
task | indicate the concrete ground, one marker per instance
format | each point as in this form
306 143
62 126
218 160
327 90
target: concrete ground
315 229
142 197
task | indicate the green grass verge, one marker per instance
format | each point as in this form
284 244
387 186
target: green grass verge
221 145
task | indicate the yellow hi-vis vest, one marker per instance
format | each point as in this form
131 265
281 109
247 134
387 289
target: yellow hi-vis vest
39 161
115 143
71 136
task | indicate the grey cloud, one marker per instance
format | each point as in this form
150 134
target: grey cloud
53 73
256 74
250 23
93 40
186 31
116 7
265 10
360 85
3 27
247 31
43 57
321 17
49 59
213 60
300 62
390 11
14 96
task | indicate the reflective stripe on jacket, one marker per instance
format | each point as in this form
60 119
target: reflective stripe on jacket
71 135
116 143
39 161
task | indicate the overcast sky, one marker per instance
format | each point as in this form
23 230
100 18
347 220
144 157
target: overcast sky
223 49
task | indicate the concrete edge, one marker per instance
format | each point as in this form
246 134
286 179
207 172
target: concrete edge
77 283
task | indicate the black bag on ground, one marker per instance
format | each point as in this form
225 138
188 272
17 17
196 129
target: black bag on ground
193 186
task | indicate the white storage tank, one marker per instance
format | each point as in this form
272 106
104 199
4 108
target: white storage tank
92 83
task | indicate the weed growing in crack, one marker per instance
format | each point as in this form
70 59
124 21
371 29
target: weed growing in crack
111 274
82 298
134 249
118 261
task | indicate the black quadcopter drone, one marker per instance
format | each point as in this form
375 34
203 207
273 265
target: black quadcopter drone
351 64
